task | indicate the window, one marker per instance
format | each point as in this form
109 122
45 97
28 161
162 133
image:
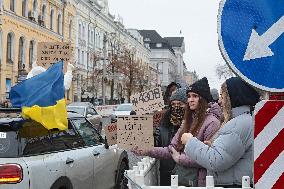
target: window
87 132
43 12
10 49
91 111
79 58
51 19
12 5
31 53
159 45
21 54
88 61
24 8
1 47
70 29
83 32
82 62
8 84
35 6
35 139
80 32
59 24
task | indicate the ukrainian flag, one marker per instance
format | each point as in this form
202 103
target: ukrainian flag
42 98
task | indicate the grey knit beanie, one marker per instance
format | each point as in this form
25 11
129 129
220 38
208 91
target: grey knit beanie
180 95
215 94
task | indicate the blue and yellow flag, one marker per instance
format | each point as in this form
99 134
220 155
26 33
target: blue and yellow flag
42 98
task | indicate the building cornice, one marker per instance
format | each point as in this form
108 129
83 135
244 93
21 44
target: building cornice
34 25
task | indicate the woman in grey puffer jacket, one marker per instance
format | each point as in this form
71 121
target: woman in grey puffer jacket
229 155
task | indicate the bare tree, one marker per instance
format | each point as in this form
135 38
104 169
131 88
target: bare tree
223 71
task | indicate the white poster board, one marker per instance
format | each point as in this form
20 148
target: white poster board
111 133
148 102
135 131
49 53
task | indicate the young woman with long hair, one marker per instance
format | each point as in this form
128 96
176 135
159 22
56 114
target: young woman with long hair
201 119
228 155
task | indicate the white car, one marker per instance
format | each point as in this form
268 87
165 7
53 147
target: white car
122 109
78 158
87 110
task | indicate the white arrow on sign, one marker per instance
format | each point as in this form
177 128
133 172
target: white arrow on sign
258 46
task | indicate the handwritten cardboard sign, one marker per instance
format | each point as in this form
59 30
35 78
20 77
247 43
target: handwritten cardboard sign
49 53
148 101
135 131
111 133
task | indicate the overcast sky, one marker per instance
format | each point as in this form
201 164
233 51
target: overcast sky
197 19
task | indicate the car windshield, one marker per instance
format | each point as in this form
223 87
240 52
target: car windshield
79 110
124 108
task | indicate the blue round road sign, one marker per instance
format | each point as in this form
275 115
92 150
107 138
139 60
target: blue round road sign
251 39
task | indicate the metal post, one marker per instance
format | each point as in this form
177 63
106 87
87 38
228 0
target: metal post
104 69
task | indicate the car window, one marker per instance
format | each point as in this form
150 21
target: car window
79 110
124 108
87 132
91 111
51 140
27 137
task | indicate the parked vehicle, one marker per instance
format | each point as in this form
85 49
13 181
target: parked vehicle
122 109
34 157
87 110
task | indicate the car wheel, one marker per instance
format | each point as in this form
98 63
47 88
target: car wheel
121 180
62 183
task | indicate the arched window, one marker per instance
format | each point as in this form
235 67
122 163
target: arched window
12 5
80 32
31 53
59 24
83 32
24 8
70 29
43 12
35 6
21 54
10 49
51 19
1 49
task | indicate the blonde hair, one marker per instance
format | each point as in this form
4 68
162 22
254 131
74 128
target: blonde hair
226 104
227 109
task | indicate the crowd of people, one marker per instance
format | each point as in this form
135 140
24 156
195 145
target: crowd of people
202 133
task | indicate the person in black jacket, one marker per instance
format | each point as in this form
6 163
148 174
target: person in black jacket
169 125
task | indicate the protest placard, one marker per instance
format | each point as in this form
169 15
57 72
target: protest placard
135 131
111 133
147 102
49 53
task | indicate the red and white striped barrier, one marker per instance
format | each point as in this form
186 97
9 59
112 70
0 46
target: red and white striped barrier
269 145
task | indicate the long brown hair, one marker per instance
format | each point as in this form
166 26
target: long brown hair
193 120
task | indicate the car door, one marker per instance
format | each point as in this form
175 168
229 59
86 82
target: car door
75 157
105 163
